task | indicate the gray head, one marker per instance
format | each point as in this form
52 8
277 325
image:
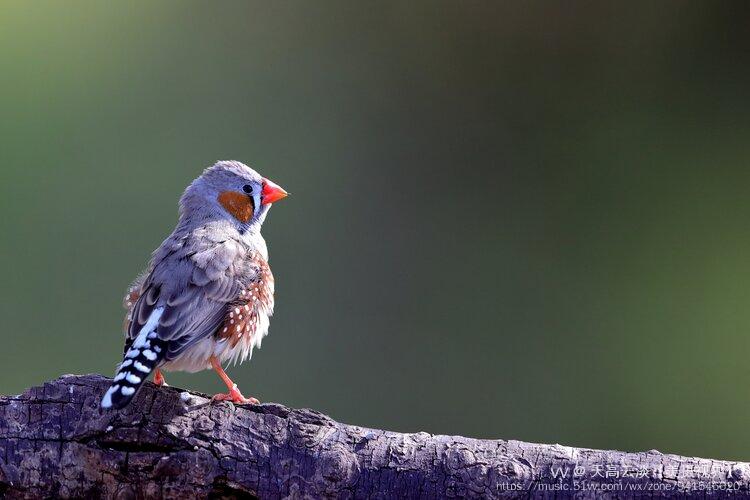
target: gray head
231 191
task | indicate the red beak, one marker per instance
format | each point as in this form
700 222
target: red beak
272 192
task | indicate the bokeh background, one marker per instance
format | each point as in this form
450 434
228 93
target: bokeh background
522 220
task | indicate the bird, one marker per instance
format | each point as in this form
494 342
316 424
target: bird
207 295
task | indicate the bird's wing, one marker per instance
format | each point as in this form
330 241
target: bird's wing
190 290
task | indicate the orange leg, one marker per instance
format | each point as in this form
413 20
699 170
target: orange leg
234 393
159 378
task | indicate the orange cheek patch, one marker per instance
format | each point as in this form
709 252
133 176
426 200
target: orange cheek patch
238 204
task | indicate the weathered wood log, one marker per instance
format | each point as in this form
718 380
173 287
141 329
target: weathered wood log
55 441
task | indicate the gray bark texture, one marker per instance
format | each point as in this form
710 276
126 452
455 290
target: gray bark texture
55 441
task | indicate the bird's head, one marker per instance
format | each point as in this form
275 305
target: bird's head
230 190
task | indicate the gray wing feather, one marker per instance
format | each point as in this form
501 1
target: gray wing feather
194 279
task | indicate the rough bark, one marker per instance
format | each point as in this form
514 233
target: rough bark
55 441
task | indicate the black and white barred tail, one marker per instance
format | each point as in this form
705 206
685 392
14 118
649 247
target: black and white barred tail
142 355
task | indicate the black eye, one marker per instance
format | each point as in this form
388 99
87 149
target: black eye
247 188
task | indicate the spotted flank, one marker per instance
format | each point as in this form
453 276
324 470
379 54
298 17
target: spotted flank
142 356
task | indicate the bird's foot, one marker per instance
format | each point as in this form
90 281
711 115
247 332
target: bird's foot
235 396
159 379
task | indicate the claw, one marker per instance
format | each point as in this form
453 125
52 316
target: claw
159 379
235 396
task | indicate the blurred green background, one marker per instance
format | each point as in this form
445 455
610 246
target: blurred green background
520 220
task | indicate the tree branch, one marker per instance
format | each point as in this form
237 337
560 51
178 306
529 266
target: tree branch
55 441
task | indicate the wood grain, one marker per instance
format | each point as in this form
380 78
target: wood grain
55 441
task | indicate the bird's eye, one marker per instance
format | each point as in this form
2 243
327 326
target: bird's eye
247 188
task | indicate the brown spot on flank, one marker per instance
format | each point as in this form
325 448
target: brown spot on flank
238 204
240 326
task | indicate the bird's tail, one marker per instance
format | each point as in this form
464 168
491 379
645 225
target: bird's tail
142 356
